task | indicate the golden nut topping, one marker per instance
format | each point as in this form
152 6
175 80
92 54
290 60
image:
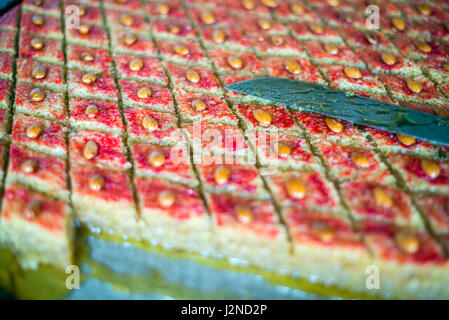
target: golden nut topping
28 166
39 72
38 2
244 214
193 76
88 78
181 50
198 105
331 48
316 28
222 175
91 111
144 93
371 37
34 131
424 47
208 18
150 124
249 4
414 86
388 59
333 3
235 62
96 183
296 9
406 140
323 232
398 23
156 159
446 67
431 169
36 43
360 160
270 3
121 1
352 72
166 198
382 198
264 24
163 9
174 29
424 10
277 40
262 117
90 150
82 10
33 209
219 36
87 56
292 66
126 20
442 112
38 20
136 65
407 241
334 125
130 39
295 188
84 29
284 150
37 94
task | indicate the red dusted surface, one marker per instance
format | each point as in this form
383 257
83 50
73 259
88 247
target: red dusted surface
339 159
4 86
317 192
249 24
411 167
3 117
406 47
107 115
316 126
283 10
129 5
213 136
162 27
280 118
388 139
264 44
437 65
411 11
187 203
436 208
244 177
53 213
51 137
53 102
159 96
25 68
177 160
237 8
104 84
97 36
195 54
116 186
221 16
166 124
302 30
110 149
303 225
335 17
358 38
216 108
207 79
233 36
276 68
141 46
233 78
5 64
114 16
362 201
102 59
51 26
9 19
47 6
49 169
337 76
344 55
380 238
264 222
52 48
250 63
7 42
398 85
151 68
374 60
175 10
93 14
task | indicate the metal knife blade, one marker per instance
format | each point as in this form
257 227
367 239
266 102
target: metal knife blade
310 97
